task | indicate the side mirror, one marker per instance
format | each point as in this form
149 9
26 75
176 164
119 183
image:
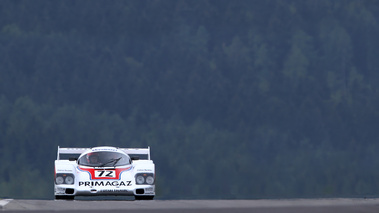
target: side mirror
72 159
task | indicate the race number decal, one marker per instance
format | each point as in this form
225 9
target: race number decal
105 173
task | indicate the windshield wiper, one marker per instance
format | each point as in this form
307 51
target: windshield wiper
114 161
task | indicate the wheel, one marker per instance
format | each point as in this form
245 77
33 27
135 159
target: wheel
62 197
138 197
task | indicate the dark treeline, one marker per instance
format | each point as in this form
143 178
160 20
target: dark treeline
237 99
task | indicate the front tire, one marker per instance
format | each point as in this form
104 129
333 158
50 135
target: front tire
138 197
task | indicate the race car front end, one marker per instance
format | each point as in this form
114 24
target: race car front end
104 181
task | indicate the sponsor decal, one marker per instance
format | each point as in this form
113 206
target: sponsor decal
104 183
151 189
144 170
64 170
114 190
59 190
104 149
101 173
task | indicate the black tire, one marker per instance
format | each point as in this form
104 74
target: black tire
139 197
62 197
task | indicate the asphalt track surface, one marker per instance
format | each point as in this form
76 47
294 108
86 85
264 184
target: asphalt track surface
336 205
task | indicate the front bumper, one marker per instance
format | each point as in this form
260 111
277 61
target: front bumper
71 190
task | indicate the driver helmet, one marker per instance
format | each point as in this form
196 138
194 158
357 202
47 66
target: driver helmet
92 158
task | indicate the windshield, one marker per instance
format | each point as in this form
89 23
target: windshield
104 159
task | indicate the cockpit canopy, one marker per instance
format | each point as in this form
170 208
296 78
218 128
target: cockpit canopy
104 159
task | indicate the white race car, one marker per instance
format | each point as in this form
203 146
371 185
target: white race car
104 171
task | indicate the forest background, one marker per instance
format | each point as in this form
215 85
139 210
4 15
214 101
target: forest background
237 99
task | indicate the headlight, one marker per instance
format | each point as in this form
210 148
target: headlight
59 180
150 180
140 180
145 178
69 180
62 178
